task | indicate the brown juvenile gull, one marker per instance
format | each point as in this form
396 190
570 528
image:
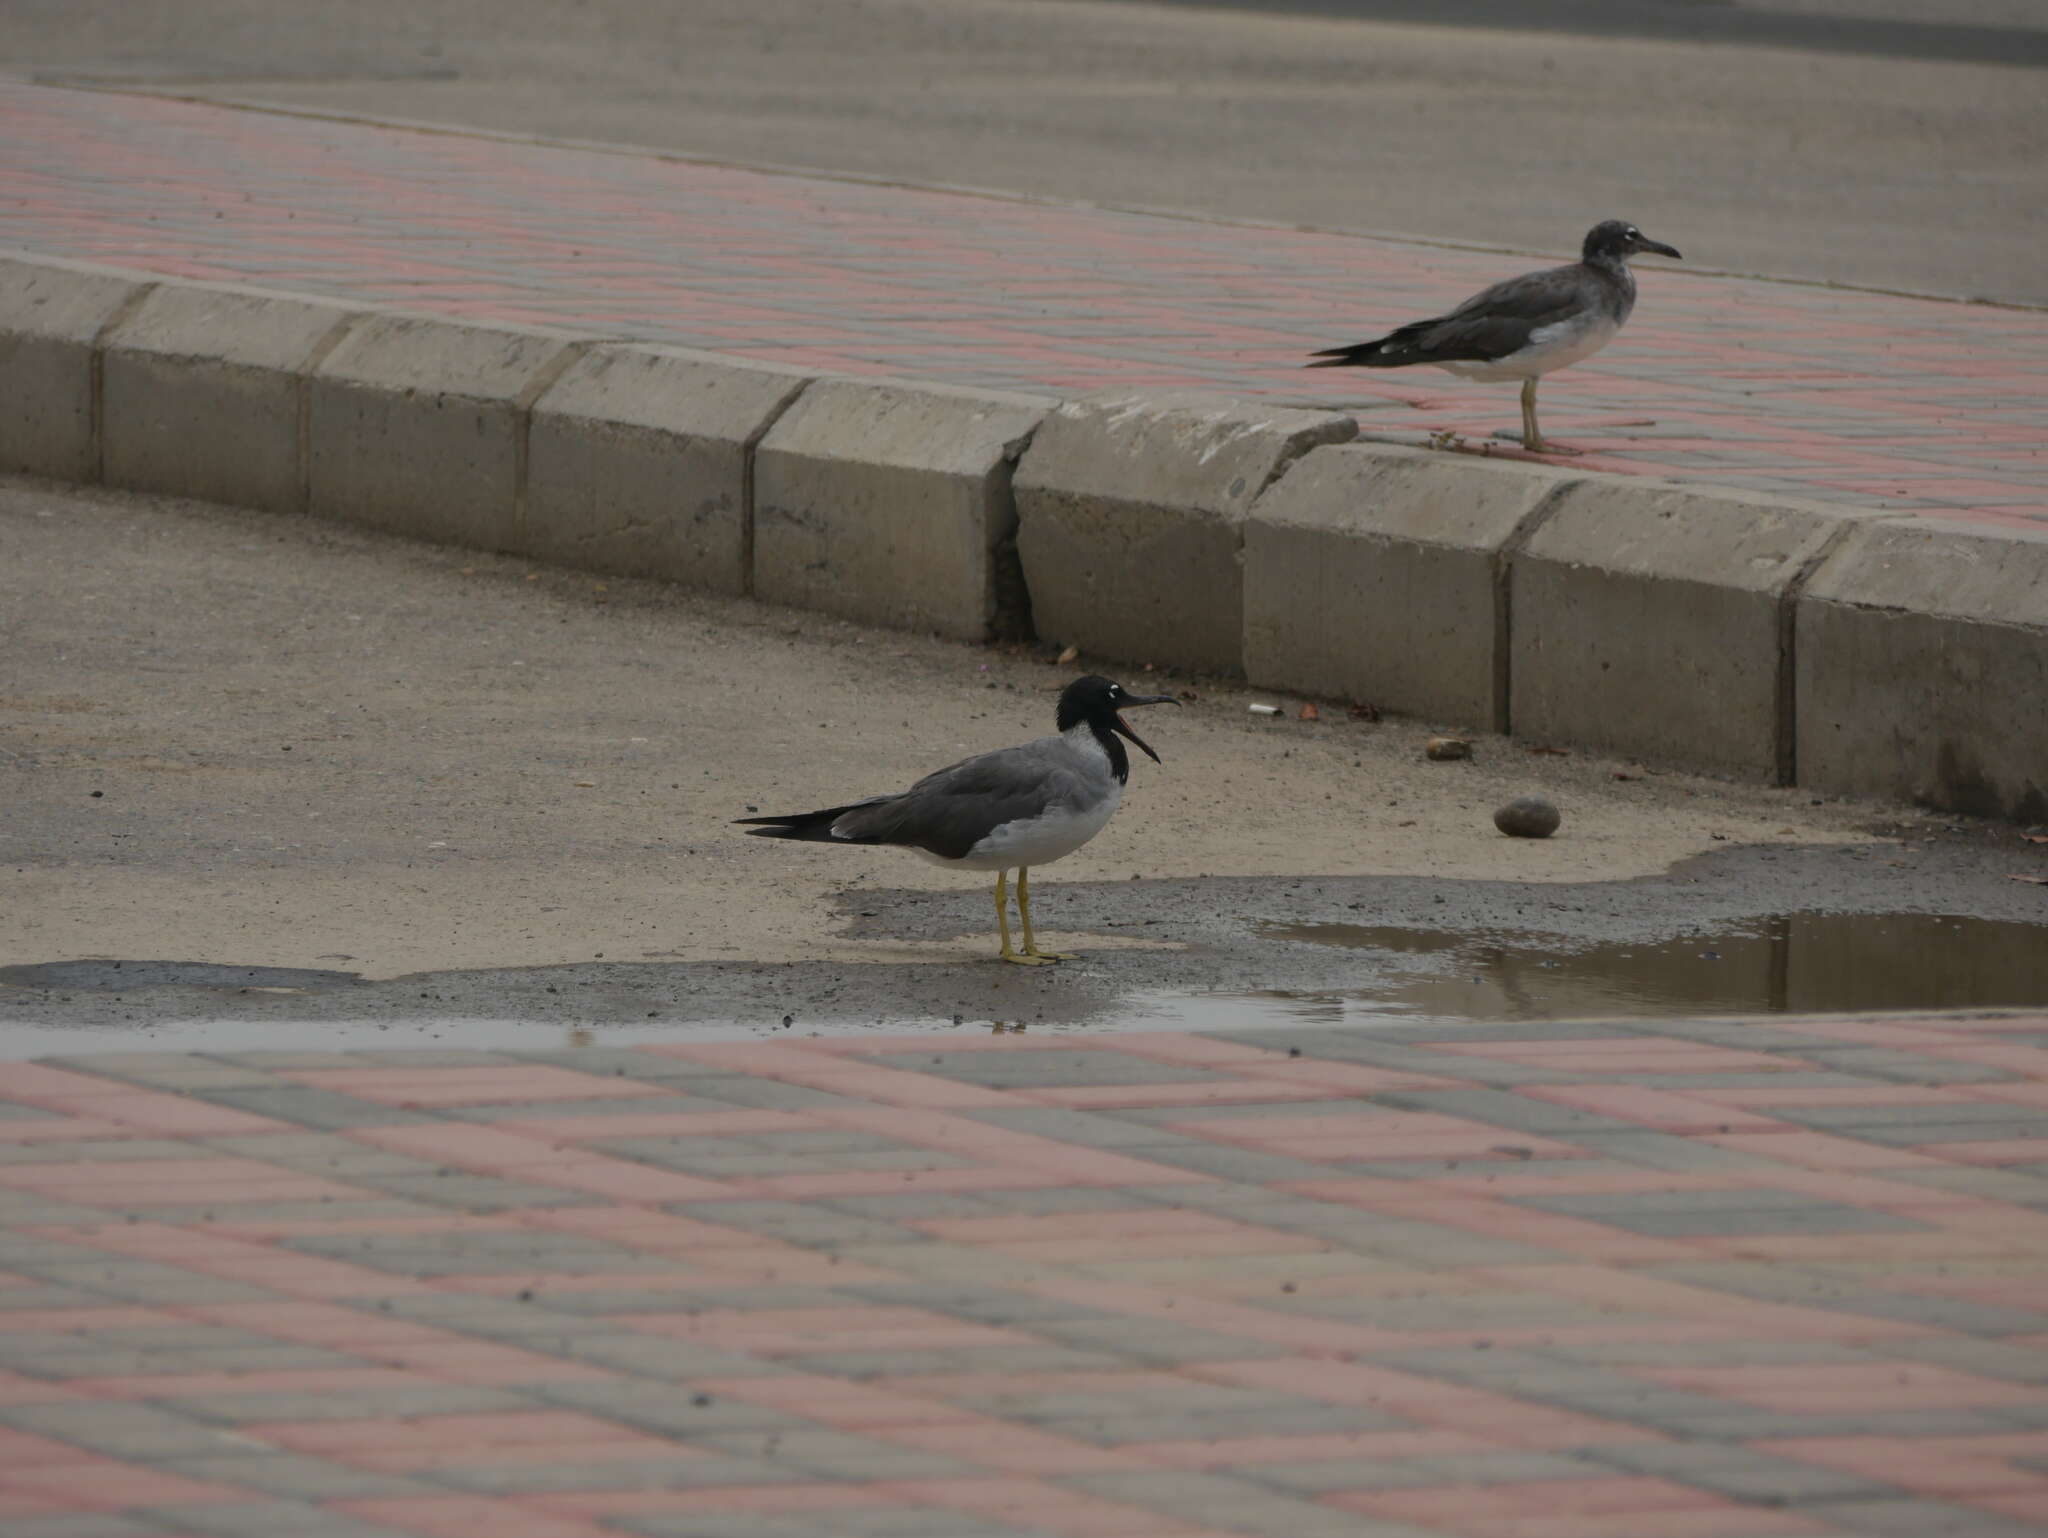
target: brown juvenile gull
1522 328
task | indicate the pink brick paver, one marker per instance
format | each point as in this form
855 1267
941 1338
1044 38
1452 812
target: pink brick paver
1361 1307
1780 388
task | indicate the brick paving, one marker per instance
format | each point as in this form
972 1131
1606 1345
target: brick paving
1783 389
1680 1279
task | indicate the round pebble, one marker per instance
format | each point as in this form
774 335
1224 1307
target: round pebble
1528 817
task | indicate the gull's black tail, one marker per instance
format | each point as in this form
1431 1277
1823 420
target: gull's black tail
1390 351
814 827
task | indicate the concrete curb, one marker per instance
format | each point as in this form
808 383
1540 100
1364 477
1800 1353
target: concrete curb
1651 619
203 393
891 503
1922 663
1853 652
52 318
418 425
1131 514
1380 573
640 462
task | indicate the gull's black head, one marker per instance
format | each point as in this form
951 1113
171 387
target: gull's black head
1616 240
1096 701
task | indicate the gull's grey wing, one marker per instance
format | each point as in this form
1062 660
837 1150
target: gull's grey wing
1493 323
1498 321
952 809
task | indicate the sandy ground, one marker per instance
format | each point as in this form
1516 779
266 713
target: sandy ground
451 786
239 738
1860 158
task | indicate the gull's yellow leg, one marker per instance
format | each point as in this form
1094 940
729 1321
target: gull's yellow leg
1532 435
1024 911
1025 957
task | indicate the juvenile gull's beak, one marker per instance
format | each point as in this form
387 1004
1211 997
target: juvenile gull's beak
1658 248
1124 727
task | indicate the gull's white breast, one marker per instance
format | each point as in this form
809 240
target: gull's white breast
1549 347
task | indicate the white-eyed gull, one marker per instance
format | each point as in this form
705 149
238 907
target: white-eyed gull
1522 328
1013 808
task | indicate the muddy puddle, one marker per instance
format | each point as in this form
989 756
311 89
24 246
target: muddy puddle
1799 963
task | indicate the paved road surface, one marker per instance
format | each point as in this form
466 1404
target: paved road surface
1880 150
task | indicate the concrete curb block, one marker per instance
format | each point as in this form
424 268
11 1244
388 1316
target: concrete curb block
203 394
1653 619
1131 519
418 426
1844 650
891 503
52 316
1378 574
640 462
1923 668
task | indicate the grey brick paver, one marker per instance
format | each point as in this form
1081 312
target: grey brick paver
722 1524
1487 1468
166 1070
1042 1069
772 1095
83 1524
1111 1425
121 1430
982 1305
1236 1505
455 1190
247 1407
1087 1129
1155 1342
1917 1519
484 1316
1664 1151
320 1153
1747 1211
539 1477
92 1151
1042 1201
798 1223
902 1362
838 1455
637 1354
471 1252
291 1476
147 1281
303 1105
1903 1126
1227 1163
1897 1066
669 1409
913 1522
1743 1473
1995 1357
35 1296
267 1519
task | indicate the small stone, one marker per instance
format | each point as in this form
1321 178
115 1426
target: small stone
1528 817
1441 748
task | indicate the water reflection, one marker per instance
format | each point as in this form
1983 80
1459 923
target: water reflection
1797 963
